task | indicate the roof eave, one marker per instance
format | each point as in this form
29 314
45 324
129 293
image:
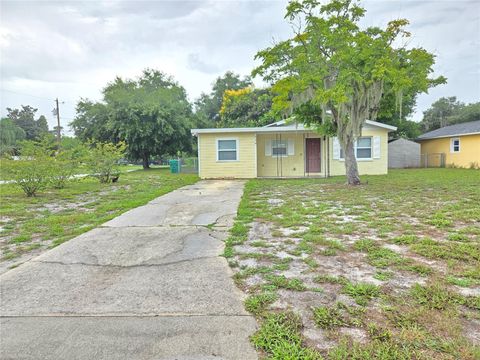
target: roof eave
445 136
297 127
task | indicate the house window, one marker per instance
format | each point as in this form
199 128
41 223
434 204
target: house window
455 145
363 148
279 147
227 150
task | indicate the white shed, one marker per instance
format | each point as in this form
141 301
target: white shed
403 153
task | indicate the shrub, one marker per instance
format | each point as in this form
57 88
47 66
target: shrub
63 167
103 159
32 170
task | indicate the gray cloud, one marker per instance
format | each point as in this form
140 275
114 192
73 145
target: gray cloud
196 63
71 49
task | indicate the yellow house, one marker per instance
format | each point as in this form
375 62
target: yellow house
454 145
286 150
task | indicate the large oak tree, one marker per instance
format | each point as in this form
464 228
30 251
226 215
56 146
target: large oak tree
151 115
333 63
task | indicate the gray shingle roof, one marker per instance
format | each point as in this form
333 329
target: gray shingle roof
472 127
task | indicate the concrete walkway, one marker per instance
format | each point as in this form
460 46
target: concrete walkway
149 284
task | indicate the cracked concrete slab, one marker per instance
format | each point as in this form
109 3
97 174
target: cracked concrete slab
204 205
138 246
219 337
201 286
148 284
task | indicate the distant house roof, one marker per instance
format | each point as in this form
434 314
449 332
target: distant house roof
401 140
468 128
279 126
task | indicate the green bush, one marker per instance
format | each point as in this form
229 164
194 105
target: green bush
31 172
103 160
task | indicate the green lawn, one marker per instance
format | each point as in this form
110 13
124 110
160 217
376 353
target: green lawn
4 176
386 270
30 225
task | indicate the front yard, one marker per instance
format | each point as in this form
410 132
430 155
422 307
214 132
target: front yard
32 225
387 270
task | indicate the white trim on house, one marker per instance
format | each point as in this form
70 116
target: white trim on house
237 153
198 154
281 122
273 129
375 152
452 145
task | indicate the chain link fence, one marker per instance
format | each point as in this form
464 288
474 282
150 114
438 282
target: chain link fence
187 165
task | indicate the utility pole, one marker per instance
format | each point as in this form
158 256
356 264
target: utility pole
57 111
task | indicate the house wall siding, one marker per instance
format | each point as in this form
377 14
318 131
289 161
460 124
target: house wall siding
243 168
469 149
253 162
403 153
365 167
285 166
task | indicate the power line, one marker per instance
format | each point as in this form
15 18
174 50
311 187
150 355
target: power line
19 93
35 96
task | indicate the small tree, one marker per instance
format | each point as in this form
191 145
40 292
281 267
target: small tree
32 171
333 63
103 160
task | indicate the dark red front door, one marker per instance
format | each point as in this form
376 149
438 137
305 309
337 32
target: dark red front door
313 155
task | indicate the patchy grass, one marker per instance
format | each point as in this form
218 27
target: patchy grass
398 262
361 292
279 337
256 304
328 317
57 215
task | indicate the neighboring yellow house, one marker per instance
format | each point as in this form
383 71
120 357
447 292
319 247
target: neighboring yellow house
454 145
286 150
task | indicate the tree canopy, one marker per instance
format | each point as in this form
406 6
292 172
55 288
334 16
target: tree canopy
333 63
10 135
207 106
448 111
150 114
246 107
25 119
390 113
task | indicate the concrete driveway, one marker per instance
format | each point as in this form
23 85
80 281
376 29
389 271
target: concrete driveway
149 284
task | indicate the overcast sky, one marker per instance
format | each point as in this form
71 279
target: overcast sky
71 49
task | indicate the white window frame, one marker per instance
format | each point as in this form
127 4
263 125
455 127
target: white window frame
236 149
364 147
452 145
355 147
285 141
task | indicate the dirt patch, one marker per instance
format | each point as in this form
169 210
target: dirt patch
260 230
471 329
63 206
275 202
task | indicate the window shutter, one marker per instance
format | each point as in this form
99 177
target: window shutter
268 148
451 145
376 147
336 149
291 147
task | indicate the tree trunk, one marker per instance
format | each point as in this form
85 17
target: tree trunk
351 164
146 161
